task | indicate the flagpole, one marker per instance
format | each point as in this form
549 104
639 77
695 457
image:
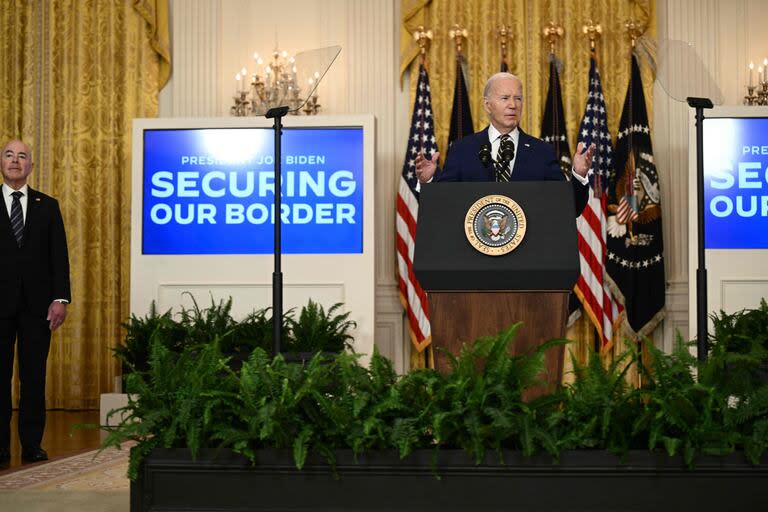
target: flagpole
701 272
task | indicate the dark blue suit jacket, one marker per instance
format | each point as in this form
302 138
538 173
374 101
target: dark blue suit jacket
37 272
535 161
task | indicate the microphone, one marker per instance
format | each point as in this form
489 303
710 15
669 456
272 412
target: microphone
485 154
506 151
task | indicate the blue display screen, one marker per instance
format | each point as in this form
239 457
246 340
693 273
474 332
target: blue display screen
736 183
211 191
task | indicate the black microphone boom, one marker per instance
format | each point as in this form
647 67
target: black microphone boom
506 151
485 154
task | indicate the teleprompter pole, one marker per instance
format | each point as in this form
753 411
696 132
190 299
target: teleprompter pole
701 272
277 114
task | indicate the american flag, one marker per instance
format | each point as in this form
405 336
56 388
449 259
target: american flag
591 287
420 140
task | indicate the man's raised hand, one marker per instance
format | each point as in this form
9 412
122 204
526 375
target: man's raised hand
426 167
582 160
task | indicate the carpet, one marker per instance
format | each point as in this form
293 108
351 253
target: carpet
89 481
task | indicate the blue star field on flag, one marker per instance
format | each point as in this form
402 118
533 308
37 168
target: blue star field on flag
594 129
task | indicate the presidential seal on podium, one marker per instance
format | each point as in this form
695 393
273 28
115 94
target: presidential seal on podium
495 225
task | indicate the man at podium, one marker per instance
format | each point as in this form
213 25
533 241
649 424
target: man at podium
504 152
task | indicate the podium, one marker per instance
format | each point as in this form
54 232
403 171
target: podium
472 294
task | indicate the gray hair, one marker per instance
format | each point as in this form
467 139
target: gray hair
498 76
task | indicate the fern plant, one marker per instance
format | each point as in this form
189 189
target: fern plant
738 356
254 331
680 413
596 410
749 418
317 330
203 325
189 397
175 403
321 406
479 405
134 350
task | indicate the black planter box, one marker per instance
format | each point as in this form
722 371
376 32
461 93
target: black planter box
582 481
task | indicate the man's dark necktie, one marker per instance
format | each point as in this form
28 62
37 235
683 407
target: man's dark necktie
17 217
504 157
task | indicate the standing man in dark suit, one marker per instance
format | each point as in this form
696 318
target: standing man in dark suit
503 152
34 293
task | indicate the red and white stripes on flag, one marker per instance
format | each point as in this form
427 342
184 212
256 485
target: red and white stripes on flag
627 210
592 287
420 140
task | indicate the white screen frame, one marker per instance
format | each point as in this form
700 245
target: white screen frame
327 278
735 277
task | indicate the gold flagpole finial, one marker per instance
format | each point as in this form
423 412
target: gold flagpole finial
634 30
423 37
505 37
593 30
459 35
552 32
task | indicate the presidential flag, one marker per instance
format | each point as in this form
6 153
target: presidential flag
635 260
461 115
421 140
553 126
553 131
597 299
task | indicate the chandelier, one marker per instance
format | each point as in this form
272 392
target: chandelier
273 85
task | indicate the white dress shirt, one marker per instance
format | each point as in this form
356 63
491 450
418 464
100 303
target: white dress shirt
7 191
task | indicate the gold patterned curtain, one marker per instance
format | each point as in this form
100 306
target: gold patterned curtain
527 57
73 75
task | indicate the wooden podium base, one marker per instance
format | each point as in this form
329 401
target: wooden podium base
462 317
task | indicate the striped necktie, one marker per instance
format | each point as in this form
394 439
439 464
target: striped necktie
17 217
501 164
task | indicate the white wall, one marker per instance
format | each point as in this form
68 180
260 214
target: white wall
212 39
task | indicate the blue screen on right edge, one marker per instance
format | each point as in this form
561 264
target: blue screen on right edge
736 183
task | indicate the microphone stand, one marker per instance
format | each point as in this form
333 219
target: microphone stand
277 114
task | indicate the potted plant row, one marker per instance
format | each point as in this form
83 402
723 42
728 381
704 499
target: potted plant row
315 330
335 435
